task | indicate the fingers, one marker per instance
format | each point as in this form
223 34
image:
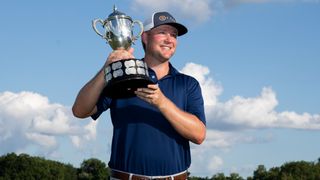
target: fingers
151 89
144 92
153 86
152 94
144 96
119 54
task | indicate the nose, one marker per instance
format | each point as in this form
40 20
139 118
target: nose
170 37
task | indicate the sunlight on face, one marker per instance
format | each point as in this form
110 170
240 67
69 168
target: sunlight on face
161 42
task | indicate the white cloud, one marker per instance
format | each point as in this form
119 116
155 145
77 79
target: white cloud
43 140
299 121
241 112
91 133
218 139
224 140
76 140
210 89
246 113
233 3
270 1
196 11
215 163
228 122
205 161
29 120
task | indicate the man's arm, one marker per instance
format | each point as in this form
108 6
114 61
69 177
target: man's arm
85 103
186 124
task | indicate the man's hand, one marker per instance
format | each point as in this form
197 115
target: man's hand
119 54
152 94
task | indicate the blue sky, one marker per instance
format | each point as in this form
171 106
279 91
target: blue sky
257 62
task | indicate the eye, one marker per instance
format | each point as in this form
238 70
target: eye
175 35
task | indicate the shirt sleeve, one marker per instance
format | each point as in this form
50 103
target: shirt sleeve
102 105
195 103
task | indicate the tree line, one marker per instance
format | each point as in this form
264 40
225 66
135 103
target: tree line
296 170
26 167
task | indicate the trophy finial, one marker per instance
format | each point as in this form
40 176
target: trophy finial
116 12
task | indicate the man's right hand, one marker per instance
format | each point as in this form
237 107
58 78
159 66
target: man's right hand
119 54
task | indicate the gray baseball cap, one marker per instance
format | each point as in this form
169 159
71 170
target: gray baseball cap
160 18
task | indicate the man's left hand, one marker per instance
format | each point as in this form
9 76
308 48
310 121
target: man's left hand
152 94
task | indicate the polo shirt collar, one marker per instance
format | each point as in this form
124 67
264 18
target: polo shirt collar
172 73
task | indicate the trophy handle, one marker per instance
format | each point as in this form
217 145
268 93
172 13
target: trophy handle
94 25
141 29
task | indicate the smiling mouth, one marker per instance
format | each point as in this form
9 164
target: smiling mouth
166 47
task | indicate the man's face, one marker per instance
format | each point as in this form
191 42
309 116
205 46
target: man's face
161 42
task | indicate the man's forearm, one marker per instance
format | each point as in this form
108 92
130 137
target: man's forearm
188 125
85 103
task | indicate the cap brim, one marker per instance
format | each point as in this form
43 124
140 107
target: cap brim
181 28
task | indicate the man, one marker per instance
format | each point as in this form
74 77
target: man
152 130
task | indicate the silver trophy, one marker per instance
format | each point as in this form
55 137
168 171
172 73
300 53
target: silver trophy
122 77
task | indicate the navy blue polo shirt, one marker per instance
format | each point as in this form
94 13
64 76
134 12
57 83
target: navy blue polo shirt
143 140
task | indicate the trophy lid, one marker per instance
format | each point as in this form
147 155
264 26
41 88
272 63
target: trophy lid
117 13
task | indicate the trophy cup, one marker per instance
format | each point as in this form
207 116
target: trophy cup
122 77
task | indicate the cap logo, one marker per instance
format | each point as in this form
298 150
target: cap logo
162 18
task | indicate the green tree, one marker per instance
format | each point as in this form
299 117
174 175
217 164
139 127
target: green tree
93 169
260 173
273 173
219 176
24 166
234 176
299 170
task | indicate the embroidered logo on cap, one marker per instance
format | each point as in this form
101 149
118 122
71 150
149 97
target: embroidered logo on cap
162 18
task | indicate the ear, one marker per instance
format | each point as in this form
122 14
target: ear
144 37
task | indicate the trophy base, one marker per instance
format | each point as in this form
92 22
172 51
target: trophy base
123 77
125 87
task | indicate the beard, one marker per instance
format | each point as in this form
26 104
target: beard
162 53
